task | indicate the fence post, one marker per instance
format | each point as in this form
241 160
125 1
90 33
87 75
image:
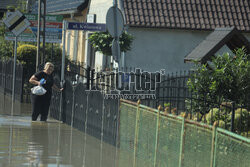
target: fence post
4 77
183 134
232 117
63 85
136 131
157 135
88 78
117 140
73 105
22 83
92 78
213 148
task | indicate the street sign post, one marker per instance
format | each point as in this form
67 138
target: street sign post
115 26
116 49
114 21
17 23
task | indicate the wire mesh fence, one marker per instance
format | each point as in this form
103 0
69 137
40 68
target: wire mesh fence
149 137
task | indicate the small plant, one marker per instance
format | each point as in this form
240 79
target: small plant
102 42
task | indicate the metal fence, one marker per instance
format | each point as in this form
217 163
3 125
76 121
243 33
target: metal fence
170 91
150 137
6 79
87 111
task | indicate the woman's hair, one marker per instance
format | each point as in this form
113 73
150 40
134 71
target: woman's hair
47 65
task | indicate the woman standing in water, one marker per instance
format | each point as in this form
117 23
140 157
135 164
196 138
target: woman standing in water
41 103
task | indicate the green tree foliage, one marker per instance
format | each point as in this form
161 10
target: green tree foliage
227 79
26 54
6 47
102 42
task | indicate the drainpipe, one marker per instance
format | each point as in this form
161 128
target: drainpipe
75 39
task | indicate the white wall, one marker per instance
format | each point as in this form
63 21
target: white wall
100 8
156 49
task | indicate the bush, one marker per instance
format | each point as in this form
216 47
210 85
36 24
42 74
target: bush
225 79
26 54
242 119
213 115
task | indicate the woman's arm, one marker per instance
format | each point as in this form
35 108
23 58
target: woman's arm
33 80
56 88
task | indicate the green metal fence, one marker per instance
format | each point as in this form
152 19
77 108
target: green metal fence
151 138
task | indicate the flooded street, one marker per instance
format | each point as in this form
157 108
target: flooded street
50 144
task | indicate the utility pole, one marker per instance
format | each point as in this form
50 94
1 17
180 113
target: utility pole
41 16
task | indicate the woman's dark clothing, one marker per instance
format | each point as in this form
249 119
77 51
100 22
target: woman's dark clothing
41 103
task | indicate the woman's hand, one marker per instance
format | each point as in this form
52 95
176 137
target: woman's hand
57 89
60 90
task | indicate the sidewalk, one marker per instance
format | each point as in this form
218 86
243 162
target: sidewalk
50 144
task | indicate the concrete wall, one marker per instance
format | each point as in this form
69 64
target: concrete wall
156 49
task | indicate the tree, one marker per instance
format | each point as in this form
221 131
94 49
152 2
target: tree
6 47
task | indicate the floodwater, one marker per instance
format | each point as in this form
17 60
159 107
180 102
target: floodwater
50 144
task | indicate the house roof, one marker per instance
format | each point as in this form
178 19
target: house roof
61 6
214 41
188 14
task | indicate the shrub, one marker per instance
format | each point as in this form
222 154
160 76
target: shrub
226 78
26 54
213 115
242 119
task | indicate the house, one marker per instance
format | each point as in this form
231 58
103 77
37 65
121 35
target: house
73 11
166 31
206 50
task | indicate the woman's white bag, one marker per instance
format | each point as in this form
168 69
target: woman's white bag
38 90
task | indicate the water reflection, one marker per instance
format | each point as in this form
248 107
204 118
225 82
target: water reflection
51 144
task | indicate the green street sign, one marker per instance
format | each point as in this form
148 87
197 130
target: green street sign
53 29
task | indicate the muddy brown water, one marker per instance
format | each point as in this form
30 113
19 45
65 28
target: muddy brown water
50 144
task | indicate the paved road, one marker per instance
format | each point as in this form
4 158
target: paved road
51 144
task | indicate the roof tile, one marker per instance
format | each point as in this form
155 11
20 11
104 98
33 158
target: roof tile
188 14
